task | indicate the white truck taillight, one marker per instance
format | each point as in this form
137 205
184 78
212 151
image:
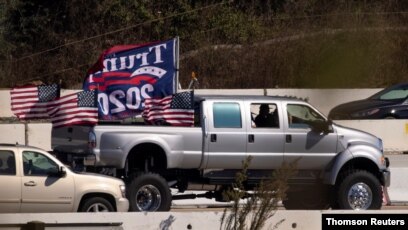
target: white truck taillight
91 140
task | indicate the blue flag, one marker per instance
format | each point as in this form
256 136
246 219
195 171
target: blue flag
127 75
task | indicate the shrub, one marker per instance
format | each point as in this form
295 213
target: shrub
261 204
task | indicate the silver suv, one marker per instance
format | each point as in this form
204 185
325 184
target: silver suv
32 180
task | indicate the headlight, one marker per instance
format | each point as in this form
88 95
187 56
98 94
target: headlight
365 113
383 160
123 190
381 145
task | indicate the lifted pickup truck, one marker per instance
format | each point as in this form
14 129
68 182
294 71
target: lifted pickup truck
337 167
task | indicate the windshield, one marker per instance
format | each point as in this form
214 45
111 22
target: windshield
392 93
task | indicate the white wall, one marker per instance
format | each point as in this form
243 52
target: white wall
323 99
39 135
12 133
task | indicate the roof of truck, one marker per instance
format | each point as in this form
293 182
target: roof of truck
200 97
18 146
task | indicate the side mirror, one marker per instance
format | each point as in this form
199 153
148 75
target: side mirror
62 172
321 126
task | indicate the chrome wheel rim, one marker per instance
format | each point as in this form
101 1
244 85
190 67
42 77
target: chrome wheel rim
360 196
148 198
98 207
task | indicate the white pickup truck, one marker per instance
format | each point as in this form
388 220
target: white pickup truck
337 167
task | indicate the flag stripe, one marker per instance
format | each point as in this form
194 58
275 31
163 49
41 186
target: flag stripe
67 110
31 102
74 112
163 110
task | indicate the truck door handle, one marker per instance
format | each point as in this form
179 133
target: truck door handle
251 138
30 183
213 137
288 138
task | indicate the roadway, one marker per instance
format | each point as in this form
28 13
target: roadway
221 209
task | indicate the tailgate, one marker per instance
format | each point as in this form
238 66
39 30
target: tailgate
70 139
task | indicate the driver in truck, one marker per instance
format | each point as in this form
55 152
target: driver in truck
265 118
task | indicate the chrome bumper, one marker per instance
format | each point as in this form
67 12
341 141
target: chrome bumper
122 205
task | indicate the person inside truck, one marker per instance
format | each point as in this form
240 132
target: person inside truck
7 163
11 166
265 118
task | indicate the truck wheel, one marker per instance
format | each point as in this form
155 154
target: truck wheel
148 193
359 190
96 204
315 198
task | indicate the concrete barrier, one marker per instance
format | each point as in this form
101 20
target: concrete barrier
12 133
282 220
300 220
394 133
39 135
398 191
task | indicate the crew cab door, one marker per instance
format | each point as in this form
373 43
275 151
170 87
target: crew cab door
41 191
225 136
312 149
265 138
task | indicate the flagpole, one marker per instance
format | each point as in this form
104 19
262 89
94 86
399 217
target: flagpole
176 86
25 133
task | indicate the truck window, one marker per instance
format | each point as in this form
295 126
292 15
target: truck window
300 116
264 116
227 115
37 164
7 163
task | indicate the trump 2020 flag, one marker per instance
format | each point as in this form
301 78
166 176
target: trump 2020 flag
74 109
32 102
126 75
176 110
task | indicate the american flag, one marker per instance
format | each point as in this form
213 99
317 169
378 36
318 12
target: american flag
175 110
75 109
31 102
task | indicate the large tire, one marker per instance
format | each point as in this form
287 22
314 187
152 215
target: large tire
148 193
96 204
312 198
359 190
